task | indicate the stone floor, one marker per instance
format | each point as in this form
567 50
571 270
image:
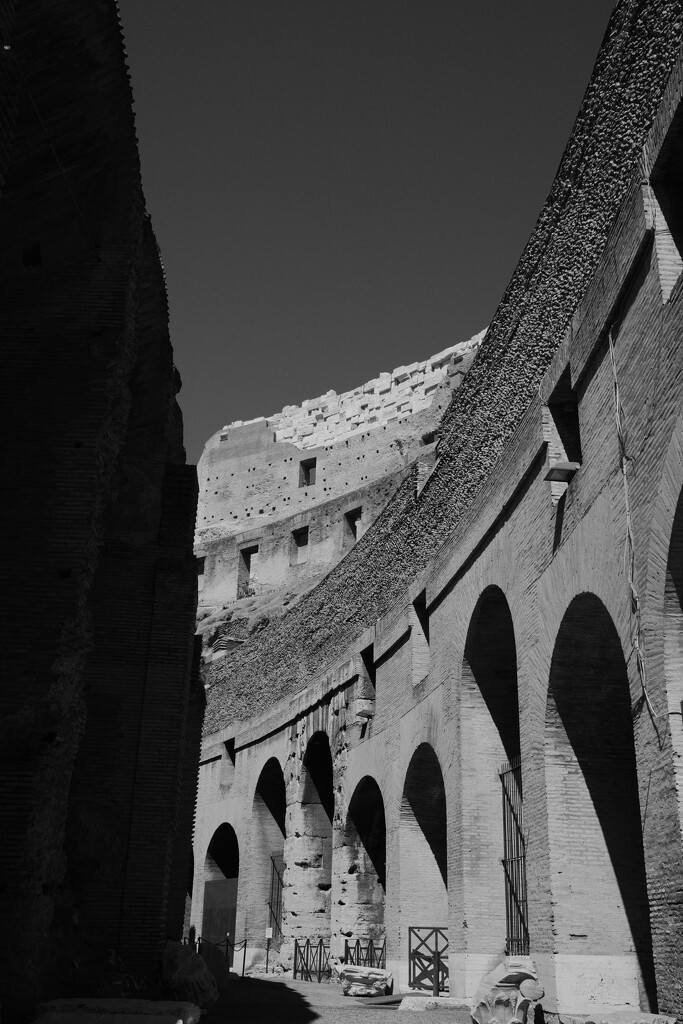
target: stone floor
282 1001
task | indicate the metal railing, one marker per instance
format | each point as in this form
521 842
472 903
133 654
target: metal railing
364 953
218 956
514 860
275 901
428 958
312 960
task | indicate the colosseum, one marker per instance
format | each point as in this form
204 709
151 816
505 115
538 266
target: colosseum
454 739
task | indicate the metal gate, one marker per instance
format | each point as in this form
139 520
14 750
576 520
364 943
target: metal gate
312 960
428 958
364 953
514 859
275 901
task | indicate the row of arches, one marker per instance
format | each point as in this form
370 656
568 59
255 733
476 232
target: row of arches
337 867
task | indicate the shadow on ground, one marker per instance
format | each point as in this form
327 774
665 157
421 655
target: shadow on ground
254 1001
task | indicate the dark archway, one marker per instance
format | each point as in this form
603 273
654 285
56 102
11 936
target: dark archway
491 663
494 899
599 894
266 858
221 876
423 860
361 866
308 850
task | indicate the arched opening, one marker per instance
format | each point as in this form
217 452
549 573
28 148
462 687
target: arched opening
266 858
221 875
360 868
308 849
597 867
673 647
423 860
188 892
494 895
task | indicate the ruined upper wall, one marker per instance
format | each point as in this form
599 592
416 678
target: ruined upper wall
639 50
256 499
390 396
249 472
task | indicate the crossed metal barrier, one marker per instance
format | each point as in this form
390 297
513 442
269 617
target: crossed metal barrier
428 958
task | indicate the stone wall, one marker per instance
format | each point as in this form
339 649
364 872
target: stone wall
101 714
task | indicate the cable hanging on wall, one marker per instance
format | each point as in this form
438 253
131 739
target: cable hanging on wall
637 641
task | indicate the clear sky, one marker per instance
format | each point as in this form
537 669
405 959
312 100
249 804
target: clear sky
339 187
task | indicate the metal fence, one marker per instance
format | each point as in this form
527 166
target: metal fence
364 953
428 958
312 960
275 901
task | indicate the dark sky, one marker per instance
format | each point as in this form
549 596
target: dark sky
342 186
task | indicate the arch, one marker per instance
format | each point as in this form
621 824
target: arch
597 867
423 861
266 858
495 907
308 847
673 644
221 878
360 866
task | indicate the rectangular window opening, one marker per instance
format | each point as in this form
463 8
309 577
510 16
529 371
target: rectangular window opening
299 546
563 406
368 659
419 635
307 472
247 571
563 437
352 526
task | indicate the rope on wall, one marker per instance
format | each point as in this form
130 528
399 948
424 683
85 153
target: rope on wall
637 640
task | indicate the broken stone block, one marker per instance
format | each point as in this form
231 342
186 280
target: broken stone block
362 981
505 993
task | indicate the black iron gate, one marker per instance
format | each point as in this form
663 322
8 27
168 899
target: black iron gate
364 953
428 958
514 859
275 901
312 960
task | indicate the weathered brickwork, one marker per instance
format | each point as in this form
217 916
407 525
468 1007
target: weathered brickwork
100 710
493 618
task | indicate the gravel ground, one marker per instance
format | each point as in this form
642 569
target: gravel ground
283 1001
